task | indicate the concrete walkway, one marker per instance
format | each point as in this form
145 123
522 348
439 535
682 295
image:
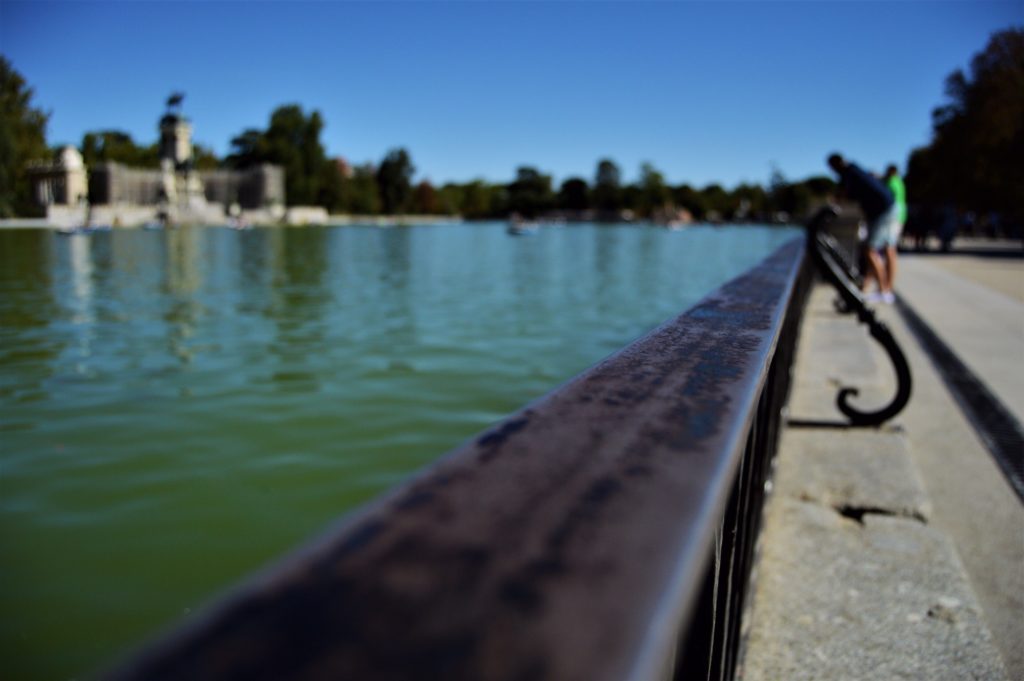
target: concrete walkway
975 302
895 552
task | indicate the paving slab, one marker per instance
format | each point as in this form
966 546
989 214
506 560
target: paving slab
855 471
838 599
983 325
995 263
836 351
853 580
972 501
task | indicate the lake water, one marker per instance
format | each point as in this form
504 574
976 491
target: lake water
177 408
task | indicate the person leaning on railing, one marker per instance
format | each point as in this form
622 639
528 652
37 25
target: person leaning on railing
879 206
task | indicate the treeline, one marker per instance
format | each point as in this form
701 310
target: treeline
292 140
973 163
114 145
22 139
388 187
533 194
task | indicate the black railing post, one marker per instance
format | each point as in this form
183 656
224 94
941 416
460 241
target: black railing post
833 266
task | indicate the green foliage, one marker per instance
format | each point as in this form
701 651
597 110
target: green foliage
820 185
292 140
751 201
360 193
424 199
204 158
530 194
630 197
720 204
607 194
796 198
481 200
247 149
394 181
450 199
574 195
331 187
691 199
973 160
654 193
22 139
116 146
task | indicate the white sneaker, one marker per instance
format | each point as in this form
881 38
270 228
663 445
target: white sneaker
873 297
888 298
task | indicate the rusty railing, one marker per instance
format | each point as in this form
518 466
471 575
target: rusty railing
605 531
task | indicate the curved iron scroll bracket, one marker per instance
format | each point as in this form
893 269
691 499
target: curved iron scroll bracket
833 266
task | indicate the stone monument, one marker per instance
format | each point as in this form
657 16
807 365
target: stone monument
181 196
112 193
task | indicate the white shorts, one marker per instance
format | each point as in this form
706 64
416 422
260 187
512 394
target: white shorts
885 230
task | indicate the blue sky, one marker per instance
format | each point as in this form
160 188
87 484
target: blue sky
706 91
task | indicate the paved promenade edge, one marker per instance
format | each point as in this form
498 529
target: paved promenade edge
853 579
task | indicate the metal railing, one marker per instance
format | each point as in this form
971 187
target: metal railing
605 531
833 263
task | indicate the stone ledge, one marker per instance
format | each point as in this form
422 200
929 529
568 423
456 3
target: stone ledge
851 581
859 471
883 599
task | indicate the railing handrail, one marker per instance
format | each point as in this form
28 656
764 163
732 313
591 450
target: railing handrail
570 541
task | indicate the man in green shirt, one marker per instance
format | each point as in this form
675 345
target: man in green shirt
899 193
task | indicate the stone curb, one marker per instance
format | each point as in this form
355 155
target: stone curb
851 582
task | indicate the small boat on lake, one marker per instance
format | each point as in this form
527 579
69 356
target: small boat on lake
83 229
517 226
524 229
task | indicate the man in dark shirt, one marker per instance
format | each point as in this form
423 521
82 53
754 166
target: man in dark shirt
880 210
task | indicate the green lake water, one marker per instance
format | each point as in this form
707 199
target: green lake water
177 408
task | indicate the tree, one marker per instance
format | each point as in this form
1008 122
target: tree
361 196
820 185
751 202
654 194
331 187
22 139
530 194
481 200
204 158
247 149
425 199
450 199
794 198
692 200
718 201
978 135
292 140
116 146
607 195
574 195
394 181
102 146
629 200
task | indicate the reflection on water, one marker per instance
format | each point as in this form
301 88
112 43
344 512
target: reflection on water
178 407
